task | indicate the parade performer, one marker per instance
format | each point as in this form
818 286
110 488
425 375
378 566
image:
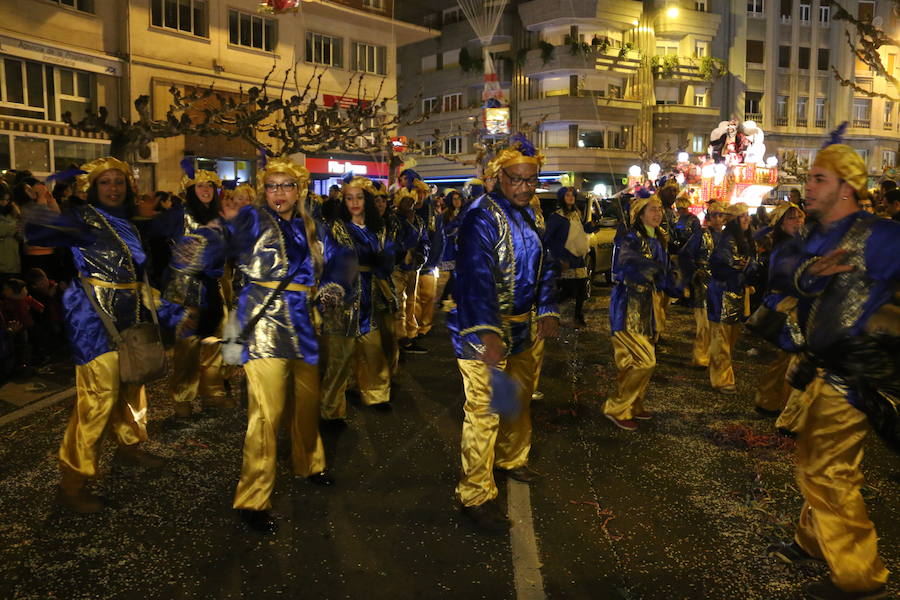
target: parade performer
111 261
773 389
686 225
694 261
640 272
387 317
195 271
567 238
504 280
351 337
431 213
844 271
282 253
732 265
450 219
412 247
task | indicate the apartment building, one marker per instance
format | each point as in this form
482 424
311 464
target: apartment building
615 83
72 55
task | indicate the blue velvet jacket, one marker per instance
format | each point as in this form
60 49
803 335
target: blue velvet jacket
412 243
693 259
558 224
504 276
640 268
451 229
685 227
436 243
106 247
725 299
268 249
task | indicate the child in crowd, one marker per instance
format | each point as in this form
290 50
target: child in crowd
48 325
17 308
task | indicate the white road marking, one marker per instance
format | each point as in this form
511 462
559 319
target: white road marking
526 560
36 406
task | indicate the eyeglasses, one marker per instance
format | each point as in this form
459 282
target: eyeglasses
517 181
287 186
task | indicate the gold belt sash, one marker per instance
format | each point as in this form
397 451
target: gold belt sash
132 285
523 318
364 269
293 287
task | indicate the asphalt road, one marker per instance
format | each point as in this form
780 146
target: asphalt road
682 509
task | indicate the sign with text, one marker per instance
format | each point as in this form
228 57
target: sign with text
339 166
344 102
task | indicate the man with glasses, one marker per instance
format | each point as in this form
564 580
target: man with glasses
505 277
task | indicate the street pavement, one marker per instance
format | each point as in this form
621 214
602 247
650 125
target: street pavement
681 509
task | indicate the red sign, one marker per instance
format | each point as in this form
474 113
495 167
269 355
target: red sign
344 102
335 167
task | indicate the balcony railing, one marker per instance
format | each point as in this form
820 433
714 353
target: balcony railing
888 125
780 121
821 123
801 122
861 123
752 116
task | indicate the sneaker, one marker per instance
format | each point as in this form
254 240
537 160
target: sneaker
525 474
487 516
728 390
414 348
261 521
537 395
766 412
826 590
644 415
626 424
790 553
138 457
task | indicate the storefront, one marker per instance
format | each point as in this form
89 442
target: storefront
327 170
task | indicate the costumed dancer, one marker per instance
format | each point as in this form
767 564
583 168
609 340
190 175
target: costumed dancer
567 238
387 316
283 254
773 389
687 224
450 219
694 261
111 263
844 271
667 194
640 272
505 278
412 246
426 288
351 336
195 271
732 265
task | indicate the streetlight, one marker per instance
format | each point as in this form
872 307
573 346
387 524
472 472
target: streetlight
672 12
683 157
634 171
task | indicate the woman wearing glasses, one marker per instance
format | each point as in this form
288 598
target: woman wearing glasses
277 243
352 339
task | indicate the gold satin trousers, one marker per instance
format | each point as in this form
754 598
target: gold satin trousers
390 345
278 387
488 439
723 337
635 359
773 390
834 524
426 291
197 371
700 349
660 312
405 286
363 355
101 401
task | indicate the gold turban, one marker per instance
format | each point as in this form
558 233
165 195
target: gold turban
638 204
714 207
402 193
779 211
510 157
737 209
363 183
682 202
285 166
843 161
422 186
201 176
98 166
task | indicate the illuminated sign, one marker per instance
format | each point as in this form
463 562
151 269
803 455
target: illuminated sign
338 166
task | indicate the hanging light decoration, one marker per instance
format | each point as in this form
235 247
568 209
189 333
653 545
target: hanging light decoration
484 17
277 7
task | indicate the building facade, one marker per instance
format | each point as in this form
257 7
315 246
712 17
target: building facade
615 83
74 55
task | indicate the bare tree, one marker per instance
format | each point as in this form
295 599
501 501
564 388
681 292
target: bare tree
866 38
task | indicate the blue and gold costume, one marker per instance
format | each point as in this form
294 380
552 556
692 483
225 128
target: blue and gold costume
426 287
282 352
505 278
641 276
412 246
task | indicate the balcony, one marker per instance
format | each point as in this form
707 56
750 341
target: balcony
564 62
888 125
580 109
821 123
684 116
754 116
687 22
861 123
617 14
801 122
781 121
680 68
597 160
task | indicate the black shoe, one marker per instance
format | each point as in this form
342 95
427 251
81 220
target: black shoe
259 520
414 348
383 407
138 457
826 590
790 553
772 414
487 516
525 474
323 479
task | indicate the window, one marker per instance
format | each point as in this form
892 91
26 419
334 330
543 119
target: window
451 102
891 62
888 158
430 148
700 5
376 4
821 119
865 10
802 103
449 58
888 114
613 91
452 15
823 58
755 7
429 105
701 48
784 57
752 100
23 91
75 92
755 51
369 58
787 9
188 16
804 11
666 95
700 98
615 138
781 110
803 57
253 31
824 14
666 48
592 139
429 62
453 145
324 49
862 111
698 144
82 5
